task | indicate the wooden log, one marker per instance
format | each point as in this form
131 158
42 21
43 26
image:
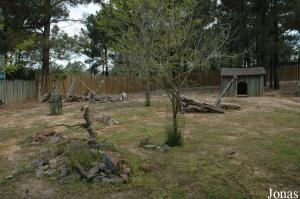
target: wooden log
230 106
208 107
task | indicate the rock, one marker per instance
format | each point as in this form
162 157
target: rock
107 120
9 177
165 148
113 180
54 140
102 166
93 172
145 168
125 177
126 171
40 172
50 172
44 151
98 179
111 160
57 162
150 146
53 163
81 171
46 167
37 163
64 172
144 142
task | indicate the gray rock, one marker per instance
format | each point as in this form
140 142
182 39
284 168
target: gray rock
64 172
46 167
44 151
93 172
54 140
50 172
40 172
53 163
150 146
165 148
102 166
113 180
9 177
98 179
111 160
37 163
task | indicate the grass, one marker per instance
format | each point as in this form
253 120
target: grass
265 146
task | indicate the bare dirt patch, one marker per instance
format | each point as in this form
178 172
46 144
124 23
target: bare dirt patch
10 149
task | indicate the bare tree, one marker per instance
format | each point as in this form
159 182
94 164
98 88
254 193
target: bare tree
165 42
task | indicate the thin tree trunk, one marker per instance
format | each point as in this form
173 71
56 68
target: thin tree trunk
271 72
147 94
106 62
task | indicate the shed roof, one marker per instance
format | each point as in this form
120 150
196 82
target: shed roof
243 71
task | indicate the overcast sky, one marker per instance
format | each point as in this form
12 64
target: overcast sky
78 13
73 28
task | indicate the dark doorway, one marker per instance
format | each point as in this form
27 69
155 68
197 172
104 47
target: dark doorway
242 88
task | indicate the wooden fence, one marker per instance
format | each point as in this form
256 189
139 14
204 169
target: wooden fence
23 91
287 73
210 77
100 84
17 91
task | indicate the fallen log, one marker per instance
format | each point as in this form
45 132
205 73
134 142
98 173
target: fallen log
230 106
185 102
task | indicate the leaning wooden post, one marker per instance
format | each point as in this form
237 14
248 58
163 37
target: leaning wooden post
88 125
218 100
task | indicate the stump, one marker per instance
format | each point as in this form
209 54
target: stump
56 104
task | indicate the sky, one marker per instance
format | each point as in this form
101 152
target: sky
74 28
80 12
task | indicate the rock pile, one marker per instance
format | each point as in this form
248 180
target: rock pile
109 169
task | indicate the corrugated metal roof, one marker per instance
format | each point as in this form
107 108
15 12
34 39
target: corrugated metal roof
243 71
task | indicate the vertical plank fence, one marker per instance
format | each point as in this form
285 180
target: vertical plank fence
18 91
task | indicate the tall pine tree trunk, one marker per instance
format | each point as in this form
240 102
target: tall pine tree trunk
46 56
276 45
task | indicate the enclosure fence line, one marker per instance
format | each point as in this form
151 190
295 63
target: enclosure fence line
19 91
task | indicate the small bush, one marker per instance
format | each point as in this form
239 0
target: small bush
80 154
173 137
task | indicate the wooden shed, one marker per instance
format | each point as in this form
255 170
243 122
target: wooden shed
249 82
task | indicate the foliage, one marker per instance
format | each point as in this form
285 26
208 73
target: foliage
163 42
80 154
